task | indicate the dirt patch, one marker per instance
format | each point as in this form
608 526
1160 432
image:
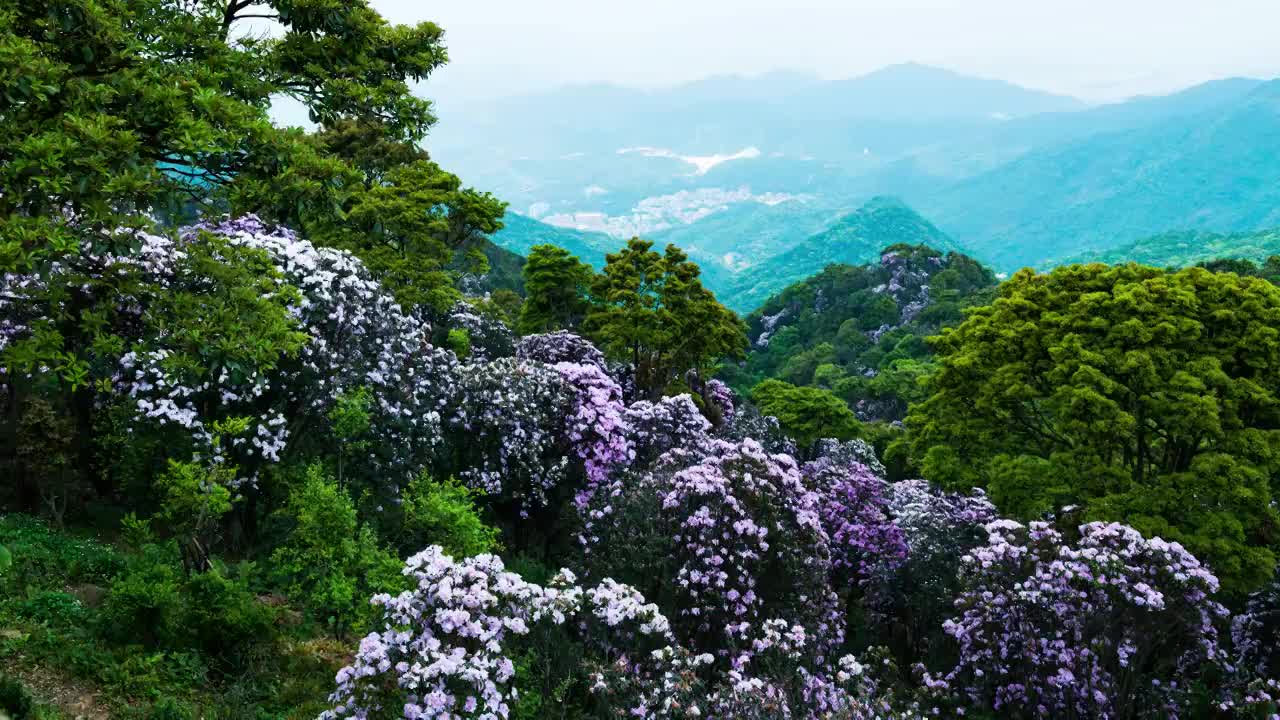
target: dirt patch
51 686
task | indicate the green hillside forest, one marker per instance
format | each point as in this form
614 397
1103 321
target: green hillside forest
305 421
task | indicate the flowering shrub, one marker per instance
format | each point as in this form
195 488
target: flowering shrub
359 338
852 507
764 429
557 347
1115 626
509 430
720 397
728 541
849 451
448 644
596 427
908 599
489 337
672 422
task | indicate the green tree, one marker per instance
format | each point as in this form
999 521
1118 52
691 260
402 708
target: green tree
1148 396
556 286
651 310
118 109
351 423
807 414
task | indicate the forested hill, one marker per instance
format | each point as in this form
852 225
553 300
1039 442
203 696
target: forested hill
859 330
854 238
1190 247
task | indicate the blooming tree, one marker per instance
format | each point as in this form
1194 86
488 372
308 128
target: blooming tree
508 431
852 505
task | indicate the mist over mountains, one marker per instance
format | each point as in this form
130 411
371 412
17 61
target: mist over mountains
758 177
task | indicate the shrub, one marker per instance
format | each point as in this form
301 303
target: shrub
15 700
330 563
1115 625
54 609
47 559
224 618
444 514
144 602
170 709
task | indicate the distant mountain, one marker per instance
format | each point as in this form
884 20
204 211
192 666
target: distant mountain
852 239
920 92
602 148
1182 249
521 233
1218 169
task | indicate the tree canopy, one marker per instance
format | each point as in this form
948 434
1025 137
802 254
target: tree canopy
118 108
556 285
1143 395
651 310
807 414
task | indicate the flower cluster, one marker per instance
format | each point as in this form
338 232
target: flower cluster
557 347
596 427
446 650
729 541
359 337
672 422
1114 621
852 504
509 430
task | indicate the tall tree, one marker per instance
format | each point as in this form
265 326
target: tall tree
1147 396
651 310
556 286
118 111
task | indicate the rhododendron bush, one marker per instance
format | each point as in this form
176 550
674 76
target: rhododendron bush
1113 625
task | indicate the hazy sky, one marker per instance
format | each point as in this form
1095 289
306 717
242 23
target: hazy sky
1094 49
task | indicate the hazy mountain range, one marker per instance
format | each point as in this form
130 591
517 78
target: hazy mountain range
764 177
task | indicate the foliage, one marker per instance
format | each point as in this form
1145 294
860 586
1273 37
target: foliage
806 413
444 513
194 499
556 285
649 309
859 330
330 563
1148 396
130 107
45 451
1230 252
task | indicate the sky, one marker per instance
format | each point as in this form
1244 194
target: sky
1095 50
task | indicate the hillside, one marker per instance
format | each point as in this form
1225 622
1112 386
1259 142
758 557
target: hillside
520 233
853 238
1216 170
859 330
1180 249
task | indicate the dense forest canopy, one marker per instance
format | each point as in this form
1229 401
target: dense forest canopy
285 436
